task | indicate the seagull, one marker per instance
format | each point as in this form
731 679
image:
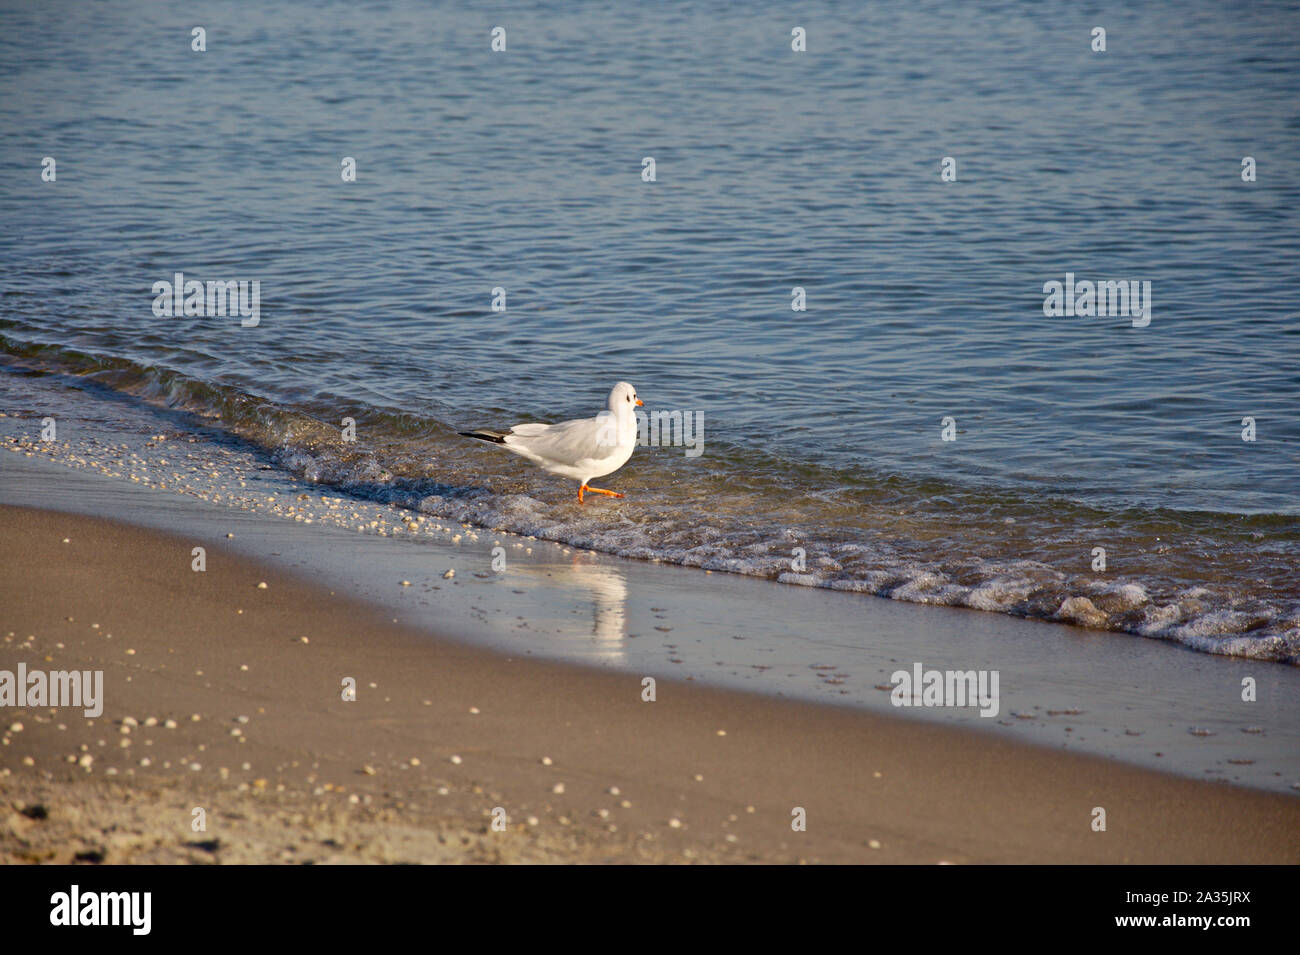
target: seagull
582 449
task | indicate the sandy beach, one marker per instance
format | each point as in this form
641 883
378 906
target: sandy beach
223 695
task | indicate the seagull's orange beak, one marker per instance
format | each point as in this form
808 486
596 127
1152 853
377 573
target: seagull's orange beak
639 402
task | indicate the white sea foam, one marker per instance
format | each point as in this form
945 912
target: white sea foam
368 498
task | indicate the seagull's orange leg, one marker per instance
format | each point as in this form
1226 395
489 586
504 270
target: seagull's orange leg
595 490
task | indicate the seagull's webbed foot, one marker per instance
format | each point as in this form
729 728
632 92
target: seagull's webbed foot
596 490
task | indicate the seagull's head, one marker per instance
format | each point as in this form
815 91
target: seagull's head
623 398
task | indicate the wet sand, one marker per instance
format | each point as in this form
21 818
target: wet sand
443 733
1146 702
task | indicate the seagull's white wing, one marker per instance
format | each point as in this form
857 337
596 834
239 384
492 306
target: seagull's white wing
584 439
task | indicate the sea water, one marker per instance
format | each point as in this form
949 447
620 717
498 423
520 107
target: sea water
838 265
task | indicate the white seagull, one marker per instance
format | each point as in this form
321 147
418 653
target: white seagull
582 449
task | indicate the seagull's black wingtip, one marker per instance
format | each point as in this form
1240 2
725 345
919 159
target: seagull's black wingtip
491 436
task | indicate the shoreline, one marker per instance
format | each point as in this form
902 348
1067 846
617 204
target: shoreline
876 788
439 487
1146 702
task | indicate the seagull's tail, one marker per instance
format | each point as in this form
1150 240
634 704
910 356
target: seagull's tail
496 437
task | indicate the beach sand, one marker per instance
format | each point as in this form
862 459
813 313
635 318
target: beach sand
442 733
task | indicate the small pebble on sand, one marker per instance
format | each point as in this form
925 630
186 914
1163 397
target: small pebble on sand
558 789
262 585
